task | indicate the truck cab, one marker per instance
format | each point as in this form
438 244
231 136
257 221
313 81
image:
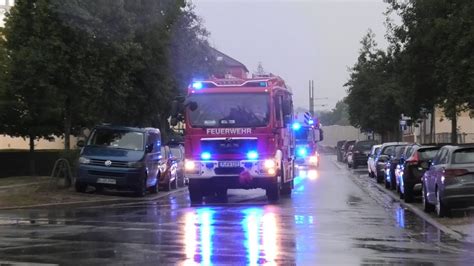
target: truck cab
306 142
238 135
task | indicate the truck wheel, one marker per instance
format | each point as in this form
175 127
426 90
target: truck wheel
195 192
273 192
286 188
80 187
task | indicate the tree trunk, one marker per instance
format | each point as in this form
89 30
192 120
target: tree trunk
454 129
67 124
32 155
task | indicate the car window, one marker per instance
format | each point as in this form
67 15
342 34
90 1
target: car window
463 156
389 150
440 157
364 145
399 151
376 151
427 154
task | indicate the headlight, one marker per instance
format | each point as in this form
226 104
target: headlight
84 160
189 165
269 164
135 164
313 159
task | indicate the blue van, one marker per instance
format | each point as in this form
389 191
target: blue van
120 157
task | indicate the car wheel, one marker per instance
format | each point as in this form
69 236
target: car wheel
174 183
441 209
195 192
408 193
154 189
273 192
402 196
427 207
80 187
140 191
387 183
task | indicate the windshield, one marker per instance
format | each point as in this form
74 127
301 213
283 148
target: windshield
303 135
364 145
230 110
117 139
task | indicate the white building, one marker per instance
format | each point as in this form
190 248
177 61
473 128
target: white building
5 5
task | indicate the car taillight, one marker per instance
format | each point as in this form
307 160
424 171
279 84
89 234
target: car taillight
454 172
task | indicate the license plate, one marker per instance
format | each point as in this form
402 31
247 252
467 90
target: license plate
229 164
106 181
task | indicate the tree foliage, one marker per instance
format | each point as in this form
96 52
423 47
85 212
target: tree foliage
339 115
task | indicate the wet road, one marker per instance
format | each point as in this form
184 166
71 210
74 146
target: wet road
328 220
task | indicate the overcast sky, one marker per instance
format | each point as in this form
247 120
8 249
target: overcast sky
296 39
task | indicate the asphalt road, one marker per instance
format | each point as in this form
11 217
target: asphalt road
329 220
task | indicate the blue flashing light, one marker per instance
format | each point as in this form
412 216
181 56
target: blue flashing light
311 122
197 85
205 155
252 155
296 126
263 84
302 152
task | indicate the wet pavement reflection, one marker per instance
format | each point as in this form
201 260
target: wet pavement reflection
329 220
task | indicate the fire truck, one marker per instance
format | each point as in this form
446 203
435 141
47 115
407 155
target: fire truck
307 135
237 136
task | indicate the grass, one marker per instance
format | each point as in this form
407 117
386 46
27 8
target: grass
18 180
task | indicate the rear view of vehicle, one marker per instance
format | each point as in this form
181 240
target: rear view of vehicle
386 152
449 182
360 153
412 170
391 167
345 149
339 150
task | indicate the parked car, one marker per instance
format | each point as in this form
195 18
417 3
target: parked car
177 150
168 170
120 157
345 148
338 147
409 171
349 155
386 151
391 168
359 153
371 160
449 181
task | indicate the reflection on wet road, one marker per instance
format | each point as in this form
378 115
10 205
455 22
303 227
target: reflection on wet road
328 220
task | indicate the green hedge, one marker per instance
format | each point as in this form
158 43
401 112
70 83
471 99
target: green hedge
16 163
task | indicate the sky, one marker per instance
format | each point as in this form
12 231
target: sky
298 40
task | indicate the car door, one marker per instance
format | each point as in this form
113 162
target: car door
153 157
433 173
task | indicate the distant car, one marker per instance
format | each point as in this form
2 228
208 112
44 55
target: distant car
345 149
371 160
410 172
391 167
168 170
359 153
177 150
385 153
449 181
339 149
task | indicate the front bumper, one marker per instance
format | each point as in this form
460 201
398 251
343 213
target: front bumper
211 169
115 176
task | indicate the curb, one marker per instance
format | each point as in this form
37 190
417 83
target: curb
420 213
96 203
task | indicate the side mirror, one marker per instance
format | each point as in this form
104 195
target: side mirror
80 143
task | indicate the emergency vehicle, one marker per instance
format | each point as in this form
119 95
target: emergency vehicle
308 133
238 135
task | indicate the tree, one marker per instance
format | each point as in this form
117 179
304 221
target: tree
337 116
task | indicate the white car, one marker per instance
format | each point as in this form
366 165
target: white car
371 160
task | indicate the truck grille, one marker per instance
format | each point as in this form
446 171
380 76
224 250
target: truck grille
114 163
229 145
228 171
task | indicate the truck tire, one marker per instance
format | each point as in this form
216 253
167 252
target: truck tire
140 190
273 192
286 188
195 192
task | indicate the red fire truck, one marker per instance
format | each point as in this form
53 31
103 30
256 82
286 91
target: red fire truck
238 135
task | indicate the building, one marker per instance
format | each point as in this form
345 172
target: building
440 130
228 66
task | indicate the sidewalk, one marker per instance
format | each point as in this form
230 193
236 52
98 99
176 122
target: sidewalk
461 228
34 192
